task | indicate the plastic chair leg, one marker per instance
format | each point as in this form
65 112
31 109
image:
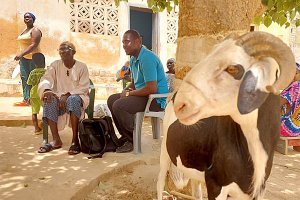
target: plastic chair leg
155 122
138 122
45 133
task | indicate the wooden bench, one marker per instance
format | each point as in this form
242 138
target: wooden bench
285 142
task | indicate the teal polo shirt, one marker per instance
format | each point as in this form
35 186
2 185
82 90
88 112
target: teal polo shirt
147 67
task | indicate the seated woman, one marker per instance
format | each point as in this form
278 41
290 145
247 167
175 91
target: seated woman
124 74
290 106
64 89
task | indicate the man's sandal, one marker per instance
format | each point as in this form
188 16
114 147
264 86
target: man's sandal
47 148
74 149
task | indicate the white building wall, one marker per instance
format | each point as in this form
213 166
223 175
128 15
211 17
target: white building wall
297 45
290 35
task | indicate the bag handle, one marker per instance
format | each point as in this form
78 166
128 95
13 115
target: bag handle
98 155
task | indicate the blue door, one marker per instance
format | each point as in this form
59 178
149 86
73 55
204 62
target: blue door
141 20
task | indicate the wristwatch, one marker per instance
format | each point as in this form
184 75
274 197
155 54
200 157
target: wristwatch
127 93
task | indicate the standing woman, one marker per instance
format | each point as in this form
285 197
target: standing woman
29 43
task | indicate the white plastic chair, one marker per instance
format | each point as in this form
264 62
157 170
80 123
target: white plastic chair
155 122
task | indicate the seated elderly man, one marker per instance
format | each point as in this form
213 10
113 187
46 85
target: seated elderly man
64 89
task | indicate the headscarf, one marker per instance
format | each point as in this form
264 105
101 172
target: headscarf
31 15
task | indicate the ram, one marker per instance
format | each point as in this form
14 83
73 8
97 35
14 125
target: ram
226 131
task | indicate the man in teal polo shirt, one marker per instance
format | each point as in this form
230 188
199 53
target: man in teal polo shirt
148 77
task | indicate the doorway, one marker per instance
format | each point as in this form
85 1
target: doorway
141 19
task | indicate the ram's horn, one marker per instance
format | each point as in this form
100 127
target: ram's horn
261 44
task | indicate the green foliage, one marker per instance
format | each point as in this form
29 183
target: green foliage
71 1
117 2
157 5
282 12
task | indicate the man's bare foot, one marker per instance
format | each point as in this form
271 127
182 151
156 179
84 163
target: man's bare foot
56 144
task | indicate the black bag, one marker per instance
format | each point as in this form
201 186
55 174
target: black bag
97 136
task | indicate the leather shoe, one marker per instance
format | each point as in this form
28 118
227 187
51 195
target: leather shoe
126 147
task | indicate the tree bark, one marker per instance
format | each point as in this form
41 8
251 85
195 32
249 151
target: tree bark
204 23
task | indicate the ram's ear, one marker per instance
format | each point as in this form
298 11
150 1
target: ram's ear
250 98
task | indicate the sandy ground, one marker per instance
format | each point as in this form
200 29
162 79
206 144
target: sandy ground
133 182
25 174
138 181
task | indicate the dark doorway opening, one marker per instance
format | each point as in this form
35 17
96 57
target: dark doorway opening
141 20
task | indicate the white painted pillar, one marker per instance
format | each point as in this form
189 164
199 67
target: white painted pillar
123 27
162 39
297 45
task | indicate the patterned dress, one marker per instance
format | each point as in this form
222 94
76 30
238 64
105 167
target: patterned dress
33 80
290 119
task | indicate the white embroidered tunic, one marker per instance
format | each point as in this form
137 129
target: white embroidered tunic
62 80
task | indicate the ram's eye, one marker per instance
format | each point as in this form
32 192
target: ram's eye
236 71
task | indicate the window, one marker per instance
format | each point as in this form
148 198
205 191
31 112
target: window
94 17
172 26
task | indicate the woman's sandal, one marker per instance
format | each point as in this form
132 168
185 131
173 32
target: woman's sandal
74 149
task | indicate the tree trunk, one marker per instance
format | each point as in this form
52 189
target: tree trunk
203 23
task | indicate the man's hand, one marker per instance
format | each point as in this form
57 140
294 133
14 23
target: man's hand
63 101
48 96
123 94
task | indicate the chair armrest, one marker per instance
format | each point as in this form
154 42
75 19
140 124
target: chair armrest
154 96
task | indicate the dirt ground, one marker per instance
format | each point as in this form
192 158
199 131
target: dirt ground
138 182
133 182
25 174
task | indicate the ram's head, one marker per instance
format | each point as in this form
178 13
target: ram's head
235 78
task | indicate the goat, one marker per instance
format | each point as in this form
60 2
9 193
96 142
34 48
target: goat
234 93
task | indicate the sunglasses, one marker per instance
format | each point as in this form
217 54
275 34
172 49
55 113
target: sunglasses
66 49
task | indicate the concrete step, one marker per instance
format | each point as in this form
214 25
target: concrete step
13 88
19 116
10 87
16 122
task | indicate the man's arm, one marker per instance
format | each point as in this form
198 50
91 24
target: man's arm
47 80
150 88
